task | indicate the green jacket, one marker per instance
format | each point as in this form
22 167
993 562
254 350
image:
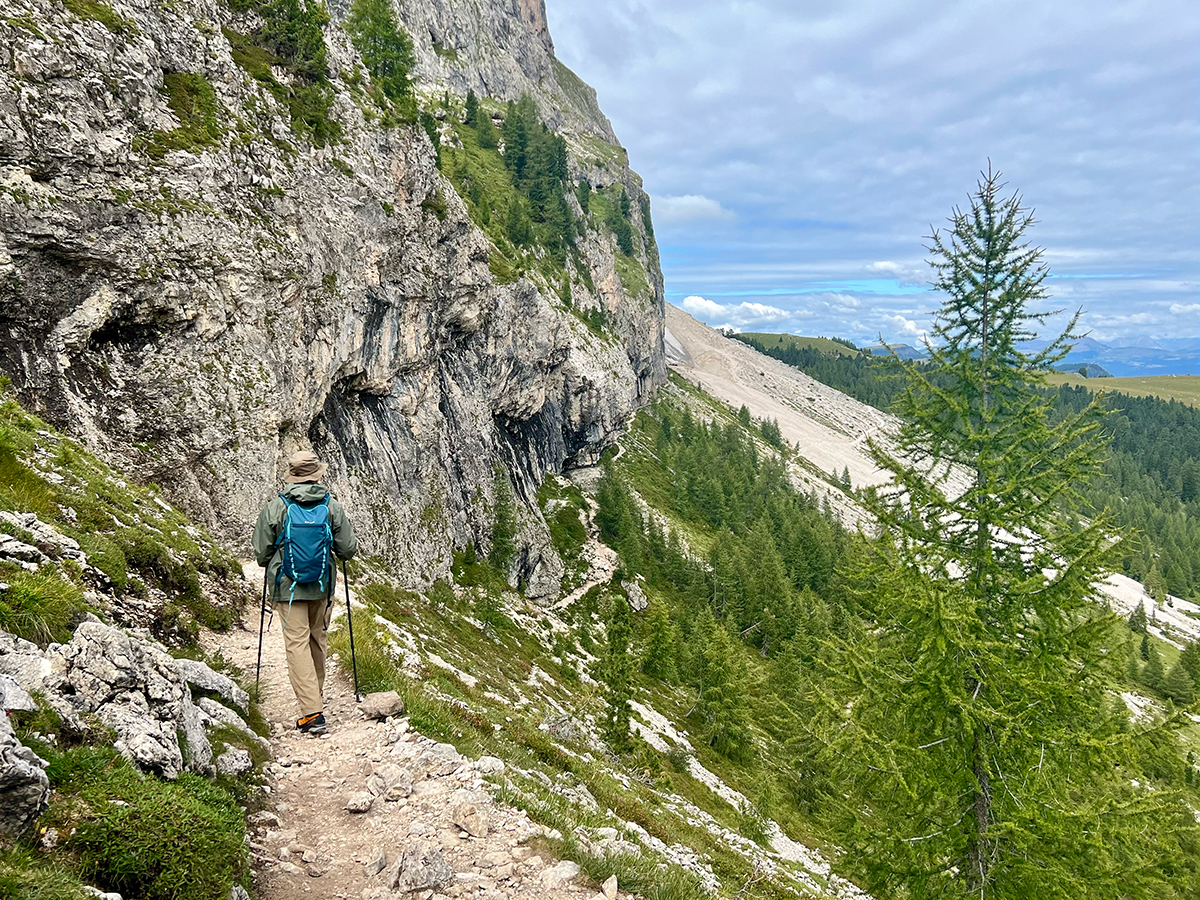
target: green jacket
266 532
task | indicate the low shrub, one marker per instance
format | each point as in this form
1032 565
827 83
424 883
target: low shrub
144 837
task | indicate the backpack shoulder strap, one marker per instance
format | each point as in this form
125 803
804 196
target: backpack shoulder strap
283 531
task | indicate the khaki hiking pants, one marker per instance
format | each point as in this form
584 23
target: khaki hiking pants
304 624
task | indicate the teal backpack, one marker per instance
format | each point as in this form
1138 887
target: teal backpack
306 540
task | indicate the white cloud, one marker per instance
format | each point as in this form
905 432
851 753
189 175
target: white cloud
688 208
762 312
1180 309
905 273
698 306
739 316
905 326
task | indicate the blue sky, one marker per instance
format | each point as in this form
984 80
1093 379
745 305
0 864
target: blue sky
797 153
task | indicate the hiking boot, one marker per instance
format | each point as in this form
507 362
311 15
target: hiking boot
314 724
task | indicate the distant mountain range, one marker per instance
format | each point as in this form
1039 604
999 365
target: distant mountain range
1139 356
1128 356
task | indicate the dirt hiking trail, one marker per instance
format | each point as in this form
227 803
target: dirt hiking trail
431 828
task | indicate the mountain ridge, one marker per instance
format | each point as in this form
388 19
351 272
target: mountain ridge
199 297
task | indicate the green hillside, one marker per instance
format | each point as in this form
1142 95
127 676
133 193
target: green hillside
751 606
820 344
1184 388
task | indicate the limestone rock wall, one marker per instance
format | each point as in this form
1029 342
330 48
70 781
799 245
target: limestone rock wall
200 315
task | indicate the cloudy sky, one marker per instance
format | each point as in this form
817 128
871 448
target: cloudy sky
797 152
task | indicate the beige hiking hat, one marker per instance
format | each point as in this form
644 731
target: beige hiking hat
304 466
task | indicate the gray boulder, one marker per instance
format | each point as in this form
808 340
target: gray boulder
440 759
13 696
134 688
234 761
24 787
49 540
382 704
420 867
23 661
201 677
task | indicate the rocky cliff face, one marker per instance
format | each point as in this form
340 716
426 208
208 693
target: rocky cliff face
199 296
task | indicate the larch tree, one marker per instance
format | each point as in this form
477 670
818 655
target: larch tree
980 749
616 674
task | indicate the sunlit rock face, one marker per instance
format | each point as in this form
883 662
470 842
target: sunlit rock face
200 313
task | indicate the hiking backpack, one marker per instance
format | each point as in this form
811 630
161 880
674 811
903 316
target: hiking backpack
306 540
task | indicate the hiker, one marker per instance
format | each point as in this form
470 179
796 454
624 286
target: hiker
296 538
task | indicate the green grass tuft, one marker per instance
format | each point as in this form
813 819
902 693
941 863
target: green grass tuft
101 12
194 103
39 606
142 836
25 874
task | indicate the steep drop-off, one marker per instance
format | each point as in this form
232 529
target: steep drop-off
196 284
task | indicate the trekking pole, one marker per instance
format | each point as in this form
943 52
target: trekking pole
350 627
262 616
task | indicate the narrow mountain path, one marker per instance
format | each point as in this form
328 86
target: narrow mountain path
306 843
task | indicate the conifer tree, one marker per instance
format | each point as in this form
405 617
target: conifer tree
662 641
974 732
721 675
1152 675
384 45
617 673
504 523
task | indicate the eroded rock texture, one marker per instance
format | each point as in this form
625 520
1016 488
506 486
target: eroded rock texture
200 314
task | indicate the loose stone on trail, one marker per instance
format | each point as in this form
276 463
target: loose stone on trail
381 705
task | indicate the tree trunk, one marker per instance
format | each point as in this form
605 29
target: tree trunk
978 856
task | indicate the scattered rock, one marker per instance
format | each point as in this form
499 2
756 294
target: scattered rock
609 888
471 817
399 791
558 875
13 696
360 802
381 705
263 818
637 597
377 863
421 867
288 868
487 765
234 761
440 759
24 787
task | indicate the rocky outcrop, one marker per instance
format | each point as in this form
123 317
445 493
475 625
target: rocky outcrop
200 310
106 678
24 787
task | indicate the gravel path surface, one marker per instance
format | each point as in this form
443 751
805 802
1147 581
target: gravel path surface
432 806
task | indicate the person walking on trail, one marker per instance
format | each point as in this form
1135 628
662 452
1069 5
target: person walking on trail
296 538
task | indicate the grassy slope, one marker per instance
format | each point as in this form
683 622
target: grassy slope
825 345
141 548
1184 388
140 545
533 667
